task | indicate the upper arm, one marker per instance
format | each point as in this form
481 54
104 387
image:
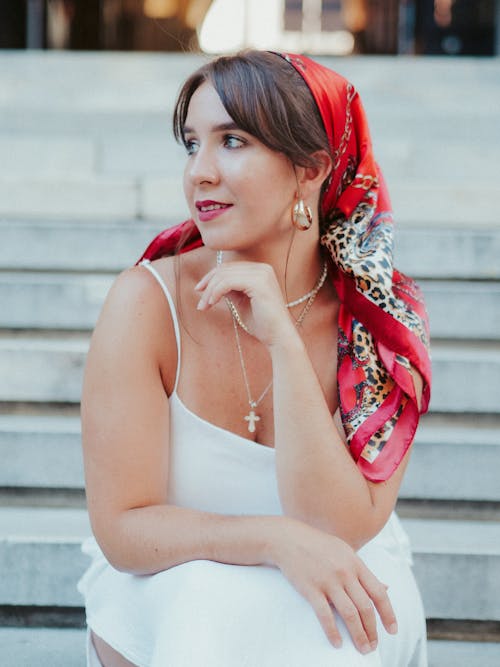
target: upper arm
384 494
125 415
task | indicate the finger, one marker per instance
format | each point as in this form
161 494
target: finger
377 591
204 281
220 286
350 615
366 611
326 617
207 299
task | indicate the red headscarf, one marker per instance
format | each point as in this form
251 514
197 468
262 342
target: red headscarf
382 328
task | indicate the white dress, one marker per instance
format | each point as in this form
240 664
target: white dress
210 614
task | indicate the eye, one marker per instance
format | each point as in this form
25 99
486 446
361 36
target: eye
232 141
191 146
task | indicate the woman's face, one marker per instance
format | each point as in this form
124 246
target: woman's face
239 192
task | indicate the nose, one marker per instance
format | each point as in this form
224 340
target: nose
202 167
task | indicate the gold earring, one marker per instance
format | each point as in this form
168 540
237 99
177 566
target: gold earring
301 215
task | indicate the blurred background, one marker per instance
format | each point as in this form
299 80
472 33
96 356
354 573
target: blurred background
90 172
340 27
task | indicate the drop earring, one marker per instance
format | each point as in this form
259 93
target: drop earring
301 215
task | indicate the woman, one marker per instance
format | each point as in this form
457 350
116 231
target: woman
210 386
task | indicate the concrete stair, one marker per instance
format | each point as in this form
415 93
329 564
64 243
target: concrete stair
91 170
43 451
66 648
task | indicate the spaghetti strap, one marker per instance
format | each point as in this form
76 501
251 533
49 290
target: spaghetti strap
147 265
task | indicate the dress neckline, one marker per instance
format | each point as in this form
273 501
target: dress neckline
251 443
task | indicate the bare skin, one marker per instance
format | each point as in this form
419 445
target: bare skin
330 508
107 655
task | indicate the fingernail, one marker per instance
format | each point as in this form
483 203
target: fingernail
373 644
337 643
199 306
365 648
393 628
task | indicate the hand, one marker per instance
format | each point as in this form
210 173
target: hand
326 571
254 290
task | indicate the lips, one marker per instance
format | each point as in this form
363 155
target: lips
210 205
208 209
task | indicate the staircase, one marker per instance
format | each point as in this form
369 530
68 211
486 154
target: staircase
89 170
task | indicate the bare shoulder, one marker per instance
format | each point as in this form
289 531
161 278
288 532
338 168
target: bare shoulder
182 272
131 293
134 304
189 266
136 315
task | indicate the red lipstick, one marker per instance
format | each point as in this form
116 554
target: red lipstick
208 209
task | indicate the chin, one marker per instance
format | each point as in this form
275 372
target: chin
220 240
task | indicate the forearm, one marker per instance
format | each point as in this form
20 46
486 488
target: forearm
318 480
151 539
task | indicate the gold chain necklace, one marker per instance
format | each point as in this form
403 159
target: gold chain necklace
252 417
309 297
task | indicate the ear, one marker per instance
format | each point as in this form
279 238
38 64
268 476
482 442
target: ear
310 179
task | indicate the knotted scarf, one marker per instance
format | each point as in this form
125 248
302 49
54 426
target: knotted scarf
382 325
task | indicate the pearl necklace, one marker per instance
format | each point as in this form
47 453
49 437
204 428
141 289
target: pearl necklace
309 297
252 417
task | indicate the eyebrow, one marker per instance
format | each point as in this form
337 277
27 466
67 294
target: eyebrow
222 127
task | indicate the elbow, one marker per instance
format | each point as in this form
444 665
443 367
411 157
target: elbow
115 550
123 557
356 536
119 558
356 529
118 550
360 528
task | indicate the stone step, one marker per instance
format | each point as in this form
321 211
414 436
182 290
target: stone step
46 156
40 556
42 369
456 565
456 562
49 369
40 451
138 152
65 647
463 654
453 204
34 300
75 246
463 310
161 198
70 199
422 251
42 647
423 133
147 151
465 378
44 452
473 450
100 83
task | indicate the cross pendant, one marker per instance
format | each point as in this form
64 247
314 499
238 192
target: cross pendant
251 418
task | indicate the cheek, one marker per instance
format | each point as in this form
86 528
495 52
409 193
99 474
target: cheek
265 182
188 189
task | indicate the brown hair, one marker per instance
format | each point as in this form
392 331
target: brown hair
266 97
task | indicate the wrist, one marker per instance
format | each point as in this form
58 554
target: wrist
277 531
288 341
